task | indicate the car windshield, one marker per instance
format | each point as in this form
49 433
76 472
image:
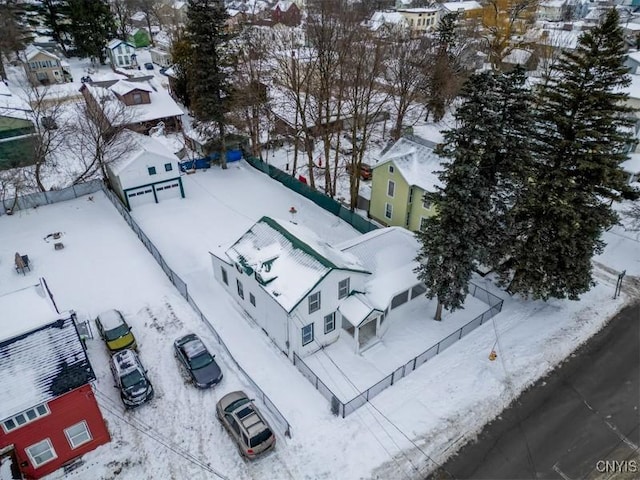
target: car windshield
262 437
200 361
236 404
115 333
131 379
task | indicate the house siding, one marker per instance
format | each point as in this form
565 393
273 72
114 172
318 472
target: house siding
36 69
67 410
417 210
379 198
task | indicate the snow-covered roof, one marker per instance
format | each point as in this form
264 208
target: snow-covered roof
161 104
378 19
45 360
139 145
632 165
288 259
116 41
635 56
415 159
12 105
284 5
390 255
418 10
553 3
31 51
466 6
517 56
124 86
355 308
632 27
138 17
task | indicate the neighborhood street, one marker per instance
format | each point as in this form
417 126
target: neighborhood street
570 424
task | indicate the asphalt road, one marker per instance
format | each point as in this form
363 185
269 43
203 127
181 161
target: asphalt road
585 413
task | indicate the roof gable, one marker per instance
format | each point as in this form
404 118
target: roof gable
115 43
40 365
287 259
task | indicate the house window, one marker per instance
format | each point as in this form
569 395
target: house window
343 288
314 302
388 210
418 290
41 452
426 204
252 299
410 195
78 434
168 167
126 60
25 417
225 277
240 289
330 322
152 170
307 334
391 188
391 169
137 98
120 48
119 59
423 224
399 299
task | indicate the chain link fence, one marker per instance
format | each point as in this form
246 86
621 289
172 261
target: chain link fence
343 409
181 286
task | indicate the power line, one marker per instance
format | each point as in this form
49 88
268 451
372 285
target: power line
146 430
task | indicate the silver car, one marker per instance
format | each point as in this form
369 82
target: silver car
245 424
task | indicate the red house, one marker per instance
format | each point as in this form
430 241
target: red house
48 412
287 13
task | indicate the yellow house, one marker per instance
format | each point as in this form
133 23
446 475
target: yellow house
400 179
420 20
45 68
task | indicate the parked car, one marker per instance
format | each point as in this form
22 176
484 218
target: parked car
115 331
131 378
365 170
245 424
148 66
196 359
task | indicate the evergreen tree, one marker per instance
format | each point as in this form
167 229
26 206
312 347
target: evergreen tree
14 31
92 26
55 16
583 130
489 159
209 89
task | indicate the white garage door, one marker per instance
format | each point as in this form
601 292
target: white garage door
168 190
140 196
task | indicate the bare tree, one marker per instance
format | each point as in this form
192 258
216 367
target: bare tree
151 9
101 137
549 47
122 11
404 77
365 101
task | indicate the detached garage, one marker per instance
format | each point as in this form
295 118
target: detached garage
149 173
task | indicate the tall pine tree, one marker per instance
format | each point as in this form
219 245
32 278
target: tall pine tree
209 89
92 26
489 160
55 16
583 129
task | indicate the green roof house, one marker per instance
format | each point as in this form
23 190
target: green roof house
400 178
140 38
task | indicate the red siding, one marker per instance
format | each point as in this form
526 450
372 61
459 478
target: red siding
66 410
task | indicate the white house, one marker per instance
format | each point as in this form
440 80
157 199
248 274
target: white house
161 57
147 173
632 167
305 293
121 53
551 10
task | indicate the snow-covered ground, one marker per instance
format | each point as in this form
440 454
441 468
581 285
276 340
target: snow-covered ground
419 421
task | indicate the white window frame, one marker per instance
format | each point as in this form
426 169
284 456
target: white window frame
330 319
35 463
391 188
25 414
302 331
85 433
388 207
343 289
252 299
225 276
426 204
422 219
314 302
391 169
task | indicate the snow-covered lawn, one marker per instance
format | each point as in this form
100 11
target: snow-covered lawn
421 419
412 332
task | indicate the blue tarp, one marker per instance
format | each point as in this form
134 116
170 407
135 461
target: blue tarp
202 163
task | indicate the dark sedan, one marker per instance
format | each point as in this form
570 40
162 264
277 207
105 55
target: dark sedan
196 359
